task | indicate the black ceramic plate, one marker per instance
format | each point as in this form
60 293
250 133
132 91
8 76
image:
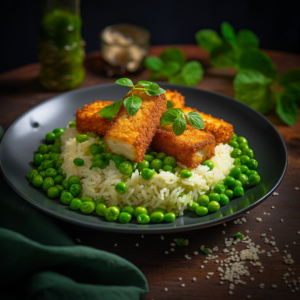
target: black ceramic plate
29 130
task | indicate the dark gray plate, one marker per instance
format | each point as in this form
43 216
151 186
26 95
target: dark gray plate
28 131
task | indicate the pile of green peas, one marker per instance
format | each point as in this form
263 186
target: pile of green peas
241 177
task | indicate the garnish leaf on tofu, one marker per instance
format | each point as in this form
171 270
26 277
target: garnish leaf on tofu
195 120
132 104
170 104
179 125
108 112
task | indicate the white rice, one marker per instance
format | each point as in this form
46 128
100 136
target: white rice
161 191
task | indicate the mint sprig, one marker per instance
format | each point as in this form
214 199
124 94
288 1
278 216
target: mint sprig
176 118
133 103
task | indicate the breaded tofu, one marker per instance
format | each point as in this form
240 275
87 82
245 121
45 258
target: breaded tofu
221 130
176 98
88 120
131 135
190 149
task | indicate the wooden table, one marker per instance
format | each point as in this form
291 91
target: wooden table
20 90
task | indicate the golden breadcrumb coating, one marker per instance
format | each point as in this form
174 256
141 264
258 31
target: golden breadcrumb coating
221 130
131 135
176 98
190 149
88 120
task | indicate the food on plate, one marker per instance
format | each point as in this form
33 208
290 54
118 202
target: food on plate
88 120
176 98
189 149
130 136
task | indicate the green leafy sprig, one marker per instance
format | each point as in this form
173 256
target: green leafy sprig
257 82
133 103
176 118
172 65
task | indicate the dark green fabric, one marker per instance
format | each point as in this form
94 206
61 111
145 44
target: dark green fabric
38 260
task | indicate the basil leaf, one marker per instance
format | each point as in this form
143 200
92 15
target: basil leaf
228 34
153 63
223 57
195 120
173 54
208 39
108 112
252 88
132 104
148 85
247 40
254 59
159 92
170 116
286 109
124 82
171 68
192 72
170 104
179 125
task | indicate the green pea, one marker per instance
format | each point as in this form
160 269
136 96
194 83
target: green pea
161 156
78 162
148 157
75 189
244 169
55 149
209 164
65 184
243 178
53 192
243 146
245 159
118 159
111 213
95 150
241 140
87 207
213 206
154 153
236 152
51 172
75 204
101 209
46 157
57 179
193 206
47 164
168 168
156 164
254 179
140 210
203 200
160 210
60 171
235 172
42 149
128 209
238 191
229 181
219 188
104 147
234 137
181 194
224 199
54 156
169 217
124 217
157 217
50 137
57 140
37 180
60 188
87 198
56 130
252 165
237 183
143 165
202 211
186 173
43 174
237 162
109 156
134 165
147 174
47 183
82 138
248 152
40 169
143 219
170 160
98 164
121 188
229 194
250 172
38 159
98 157
125 168
73 179
72 124
31 174
233 144
214 197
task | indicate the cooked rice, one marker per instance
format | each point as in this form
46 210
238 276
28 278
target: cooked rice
161 191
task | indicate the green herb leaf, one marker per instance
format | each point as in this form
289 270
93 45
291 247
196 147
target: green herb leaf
228 34
157 93
191 74
170 116
153 63
148 85
179 125
208 39
254 59
286 109
124 82
195 120
171 68
155 75
252 88
170 104
247 40
108 112
132 104
223 57
173 54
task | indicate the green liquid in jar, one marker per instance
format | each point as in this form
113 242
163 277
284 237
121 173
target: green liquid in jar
61 50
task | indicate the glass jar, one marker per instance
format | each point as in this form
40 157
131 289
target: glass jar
123 48
61 48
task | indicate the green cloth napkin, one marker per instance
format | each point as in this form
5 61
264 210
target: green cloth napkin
38 260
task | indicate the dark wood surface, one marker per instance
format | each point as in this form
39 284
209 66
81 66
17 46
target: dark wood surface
20 90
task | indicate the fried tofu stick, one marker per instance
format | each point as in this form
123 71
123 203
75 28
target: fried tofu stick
131 135
88 120
190 149
221 130
176 98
